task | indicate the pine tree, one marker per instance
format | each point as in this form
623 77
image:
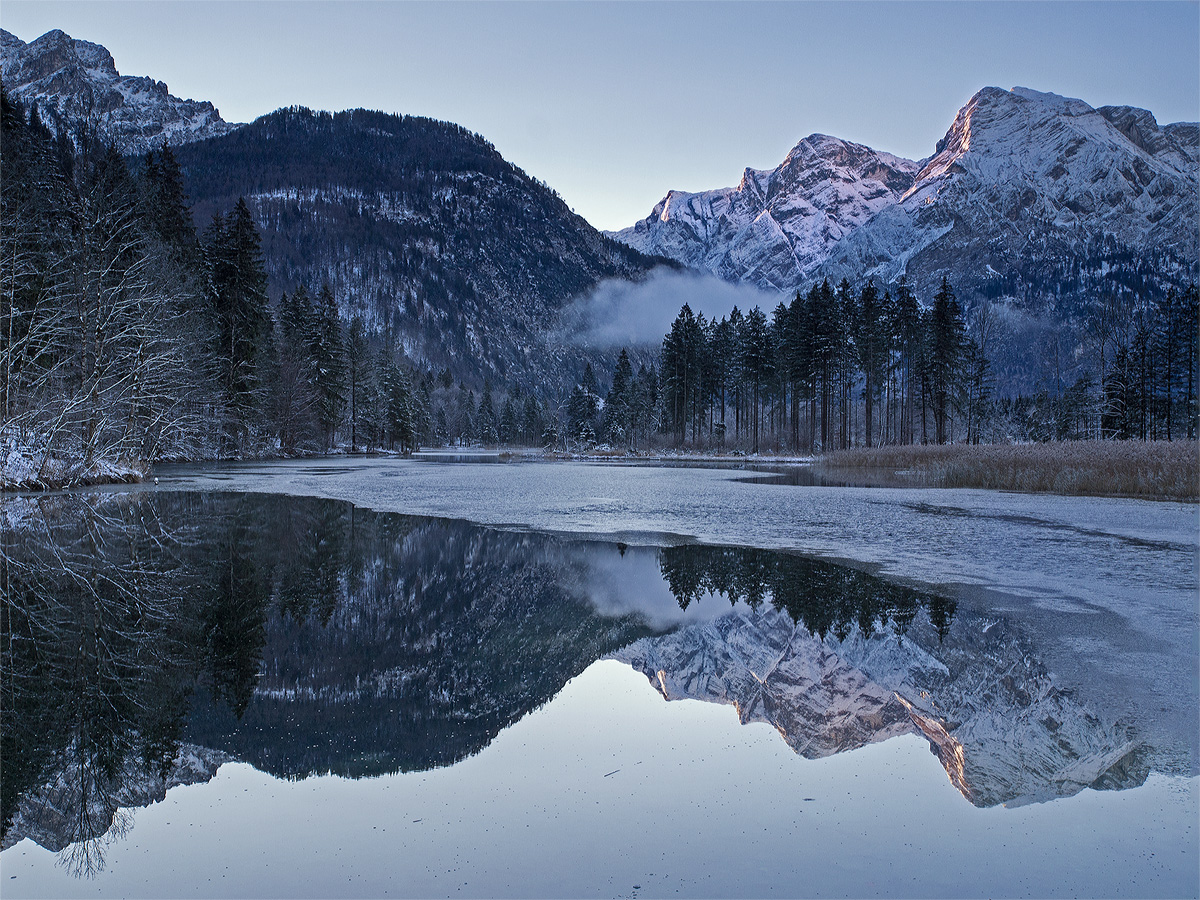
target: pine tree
510 426
531 421
755 364
165 204
583 406
357 373
945 345
294 390
397 400
329 354
908 335
238 289
488 424
618 403
871 344
823 324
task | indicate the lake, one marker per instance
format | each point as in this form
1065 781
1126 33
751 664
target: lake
379 677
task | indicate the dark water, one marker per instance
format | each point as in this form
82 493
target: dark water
153 638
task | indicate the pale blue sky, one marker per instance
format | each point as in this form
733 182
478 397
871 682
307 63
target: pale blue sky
615 103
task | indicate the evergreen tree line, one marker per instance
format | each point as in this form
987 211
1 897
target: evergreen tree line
126 335
836 367
840 367
1147 365
823 597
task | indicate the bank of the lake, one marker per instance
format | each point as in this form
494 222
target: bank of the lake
1148 470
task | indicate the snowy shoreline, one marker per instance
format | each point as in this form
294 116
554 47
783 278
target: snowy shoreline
1134 469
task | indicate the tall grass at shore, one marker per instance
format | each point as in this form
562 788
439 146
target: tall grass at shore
1158 470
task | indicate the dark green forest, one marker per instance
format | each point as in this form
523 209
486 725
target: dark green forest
851 367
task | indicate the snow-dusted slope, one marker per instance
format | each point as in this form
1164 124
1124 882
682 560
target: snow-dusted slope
72 79
1025 181
777 225
772 670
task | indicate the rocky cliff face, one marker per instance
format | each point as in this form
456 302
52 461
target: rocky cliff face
80 805
777 225
71 80
774 671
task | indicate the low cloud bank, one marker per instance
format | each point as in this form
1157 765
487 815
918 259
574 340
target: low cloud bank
621 313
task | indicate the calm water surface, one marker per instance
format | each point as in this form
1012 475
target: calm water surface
392 678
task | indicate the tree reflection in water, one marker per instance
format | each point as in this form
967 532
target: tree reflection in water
149 637
823 597
100 645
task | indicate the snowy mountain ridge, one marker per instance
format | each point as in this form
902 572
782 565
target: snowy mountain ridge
72 80
1023 175
1023 184
777 225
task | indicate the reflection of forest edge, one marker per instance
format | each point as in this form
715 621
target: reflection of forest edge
147 635
823 597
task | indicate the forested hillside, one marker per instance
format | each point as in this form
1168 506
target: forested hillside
420 227
129 338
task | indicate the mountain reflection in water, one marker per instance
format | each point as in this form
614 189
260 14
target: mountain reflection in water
150 637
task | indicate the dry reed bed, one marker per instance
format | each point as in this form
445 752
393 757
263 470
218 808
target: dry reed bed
1156 470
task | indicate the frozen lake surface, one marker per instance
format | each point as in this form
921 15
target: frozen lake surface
574 679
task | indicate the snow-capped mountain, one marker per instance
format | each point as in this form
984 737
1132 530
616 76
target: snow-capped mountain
1026 186
1030 196
71 80
774 671
777 225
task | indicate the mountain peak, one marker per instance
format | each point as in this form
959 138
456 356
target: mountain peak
824 189
71 80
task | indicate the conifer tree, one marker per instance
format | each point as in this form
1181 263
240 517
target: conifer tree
945 344
488 424
329 355
755 363
357 374
165 203
906 326
531 421
238 288
618 403
294 391
871 344
510 427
